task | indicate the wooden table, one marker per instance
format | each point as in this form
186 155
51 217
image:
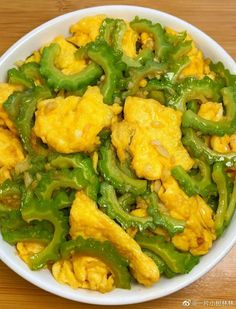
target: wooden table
215 17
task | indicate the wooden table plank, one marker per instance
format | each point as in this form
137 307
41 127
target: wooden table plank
216 18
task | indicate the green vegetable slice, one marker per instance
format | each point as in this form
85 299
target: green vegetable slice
163 268
161 217
57 80
201 184
21 107
105 252
33 209
137 74
225 126
192 89
85 171
223 75
109 202
220 178
18 77
110 61
200 150
178 262
162 46
108 165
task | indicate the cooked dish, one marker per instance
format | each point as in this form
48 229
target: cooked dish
118 152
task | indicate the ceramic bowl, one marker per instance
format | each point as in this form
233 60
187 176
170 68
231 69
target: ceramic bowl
43 279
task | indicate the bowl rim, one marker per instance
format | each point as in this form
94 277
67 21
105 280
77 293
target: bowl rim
95 299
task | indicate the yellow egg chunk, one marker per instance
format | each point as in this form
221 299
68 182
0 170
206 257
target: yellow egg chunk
224 144
4 174
72 124
66 60
86 30
5 91
35 57
129 42
170 31
84 272
122 133
199 232
147 41
211 111
28 248
207 70
63 272
10 149
151 133
196 66
92 273
88 221
214 111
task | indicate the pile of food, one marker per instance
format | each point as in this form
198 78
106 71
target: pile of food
117 154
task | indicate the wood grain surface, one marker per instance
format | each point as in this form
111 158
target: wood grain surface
215 17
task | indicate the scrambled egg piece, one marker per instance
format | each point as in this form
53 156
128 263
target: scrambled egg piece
4 174
78 272
197 67
88 221
86 30
27 248
35 57
224 144
211 111
71 124
11 153
66 60
151 133
199 233
84 272
207 70
63 272
214 111
129 42
5 91
147 41
197 64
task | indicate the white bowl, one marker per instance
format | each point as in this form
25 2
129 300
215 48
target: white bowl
43 279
